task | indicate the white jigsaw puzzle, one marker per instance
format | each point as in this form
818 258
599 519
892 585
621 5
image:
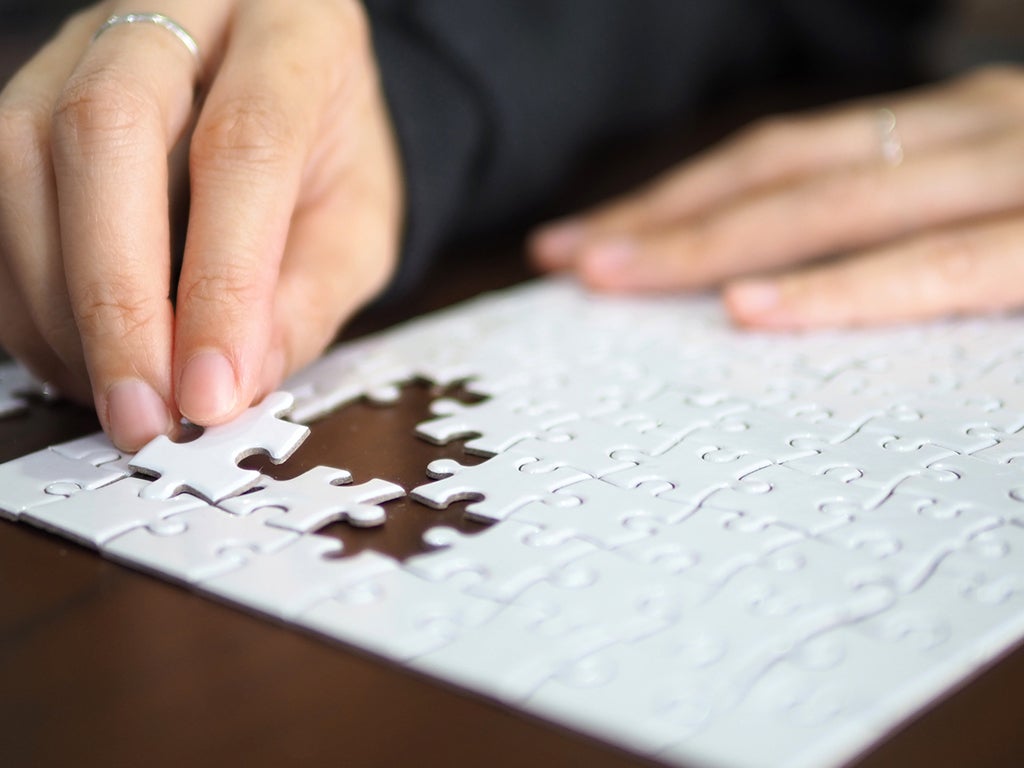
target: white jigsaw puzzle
711 547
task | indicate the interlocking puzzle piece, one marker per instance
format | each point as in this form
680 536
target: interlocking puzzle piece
1004 382
499 423
208 465
286 580
97 449
959 427
769 434
679 681
808 585
871 459
15 383
778 494
503 559
47 476
627 600
588 445
1009 450
602 513
94 517
510 655
317 497
676 409
694 468
781 718
850 397
958 620
345 374
665 681
908 537
398 615
709 545
197 544
990 567
969 483
504 482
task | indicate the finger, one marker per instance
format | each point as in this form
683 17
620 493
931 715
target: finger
969 270
778 149
35 288
851 208
279 85
340 256
119 114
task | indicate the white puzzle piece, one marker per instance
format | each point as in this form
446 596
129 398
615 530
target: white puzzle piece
286 580
197 544
315 498
47 476
398 614
93 517
504 559
504 483
208 465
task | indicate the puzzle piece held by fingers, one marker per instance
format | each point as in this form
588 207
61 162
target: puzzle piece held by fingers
208 465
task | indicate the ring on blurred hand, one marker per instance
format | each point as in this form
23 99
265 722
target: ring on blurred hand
161 21
889 138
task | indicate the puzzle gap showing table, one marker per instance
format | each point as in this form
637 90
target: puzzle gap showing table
710 547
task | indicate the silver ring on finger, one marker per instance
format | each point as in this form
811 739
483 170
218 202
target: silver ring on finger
184 37
889 141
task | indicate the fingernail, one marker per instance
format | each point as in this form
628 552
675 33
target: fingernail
754 297
610 256
558 239
207 391
135 414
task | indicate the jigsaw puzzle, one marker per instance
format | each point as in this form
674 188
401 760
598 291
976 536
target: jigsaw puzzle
710 547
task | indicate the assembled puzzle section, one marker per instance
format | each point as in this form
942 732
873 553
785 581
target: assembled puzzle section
708 546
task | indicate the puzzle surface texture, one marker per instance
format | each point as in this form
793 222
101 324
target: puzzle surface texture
711 547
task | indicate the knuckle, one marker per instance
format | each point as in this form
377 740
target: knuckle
246 130
100 106
226 291
113 308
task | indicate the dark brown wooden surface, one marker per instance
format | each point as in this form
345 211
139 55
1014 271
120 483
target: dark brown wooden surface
101 665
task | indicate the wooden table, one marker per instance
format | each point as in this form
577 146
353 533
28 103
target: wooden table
101 665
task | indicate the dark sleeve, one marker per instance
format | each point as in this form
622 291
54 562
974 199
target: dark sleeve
494 100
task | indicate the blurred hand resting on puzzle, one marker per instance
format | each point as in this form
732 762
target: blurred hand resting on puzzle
920 195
